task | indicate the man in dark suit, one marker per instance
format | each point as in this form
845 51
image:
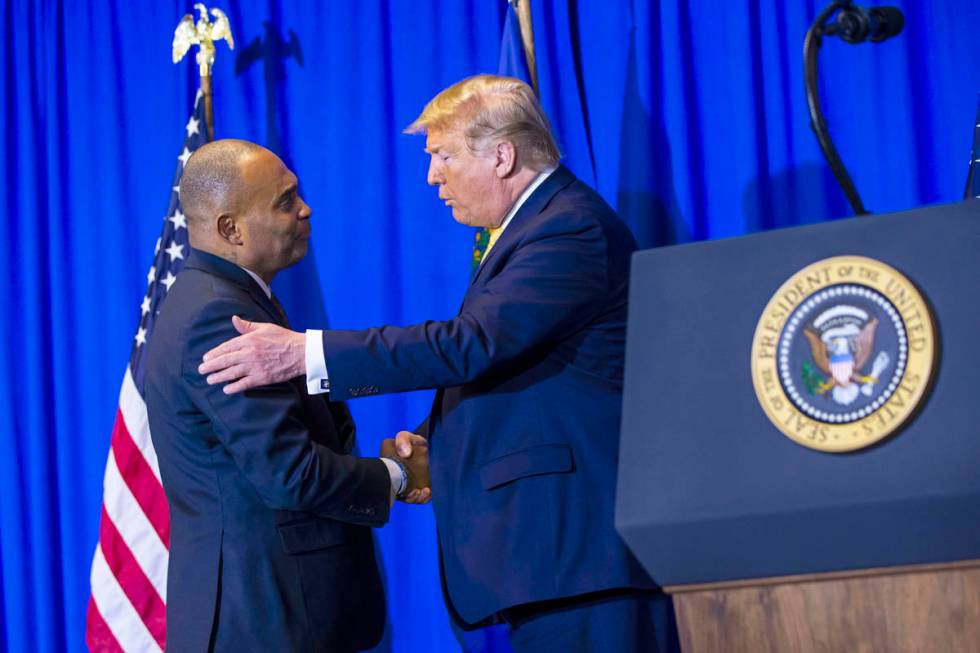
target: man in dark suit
270 545
524 430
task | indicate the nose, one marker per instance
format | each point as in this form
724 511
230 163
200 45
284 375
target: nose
434 178
305 212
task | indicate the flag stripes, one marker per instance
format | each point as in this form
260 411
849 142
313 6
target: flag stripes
119 616
143 484
132 581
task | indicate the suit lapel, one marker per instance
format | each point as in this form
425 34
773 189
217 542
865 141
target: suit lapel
534 205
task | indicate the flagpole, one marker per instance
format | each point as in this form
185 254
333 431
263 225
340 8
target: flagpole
208 108
523 8
204 33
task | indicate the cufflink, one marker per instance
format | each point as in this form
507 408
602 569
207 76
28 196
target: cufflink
324 384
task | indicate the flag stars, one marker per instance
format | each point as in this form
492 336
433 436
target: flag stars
186 154
156 250
140 337
193 126
178 219
175 251
168 280
151 275
145 306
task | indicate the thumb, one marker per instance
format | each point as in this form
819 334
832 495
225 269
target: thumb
403 444
243 326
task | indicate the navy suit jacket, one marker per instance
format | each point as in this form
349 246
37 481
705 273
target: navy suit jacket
270 548
524 430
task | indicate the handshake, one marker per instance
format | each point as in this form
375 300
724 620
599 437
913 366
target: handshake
412 451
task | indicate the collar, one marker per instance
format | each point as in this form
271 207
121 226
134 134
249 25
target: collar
262 284
215 265
531 202
542 176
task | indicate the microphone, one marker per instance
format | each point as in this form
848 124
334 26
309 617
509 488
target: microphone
857 24
854 25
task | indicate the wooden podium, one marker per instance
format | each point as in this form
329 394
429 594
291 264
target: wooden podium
765 542
916 609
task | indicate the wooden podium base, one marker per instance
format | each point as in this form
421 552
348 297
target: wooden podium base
925 608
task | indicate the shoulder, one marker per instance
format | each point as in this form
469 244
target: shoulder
196 295
579 210
198 310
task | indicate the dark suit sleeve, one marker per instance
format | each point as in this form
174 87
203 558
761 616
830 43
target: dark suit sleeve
264 432
343 422
552 285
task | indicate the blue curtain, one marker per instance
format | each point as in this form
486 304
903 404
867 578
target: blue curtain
687 115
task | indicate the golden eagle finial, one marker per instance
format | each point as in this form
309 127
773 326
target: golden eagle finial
203 34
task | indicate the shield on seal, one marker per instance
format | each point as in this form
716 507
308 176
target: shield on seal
842 367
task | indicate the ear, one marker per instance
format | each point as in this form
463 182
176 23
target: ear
506 162
229 230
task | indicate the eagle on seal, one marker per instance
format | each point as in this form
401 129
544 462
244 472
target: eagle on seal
842 357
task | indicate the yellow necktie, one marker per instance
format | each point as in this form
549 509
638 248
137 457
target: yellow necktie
485 239
494 237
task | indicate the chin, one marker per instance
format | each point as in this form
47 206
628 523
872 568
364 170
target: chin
463 219
300 252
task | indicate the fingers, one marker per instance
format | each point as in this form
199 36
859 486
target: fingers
237 343
218 352
230 367
418 497
245 383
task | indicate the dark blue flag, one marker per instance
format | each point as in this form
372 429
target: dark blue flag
973 178
513 60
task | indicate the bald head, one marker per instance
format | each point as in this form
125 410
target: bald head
212 182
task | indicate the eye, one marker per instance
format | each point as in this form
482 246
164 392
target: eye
286 203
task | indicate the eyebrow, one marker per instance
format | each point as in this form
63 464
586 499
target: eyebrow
289 190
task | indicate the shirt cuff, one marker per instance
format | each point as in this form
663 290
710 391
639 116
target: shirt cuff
317 381
398 479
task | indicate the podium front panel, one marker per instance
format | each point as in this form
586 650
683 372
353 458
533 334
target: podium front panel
710 490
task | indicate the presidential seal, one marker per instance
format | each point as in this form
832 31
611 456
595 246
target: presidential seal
843 353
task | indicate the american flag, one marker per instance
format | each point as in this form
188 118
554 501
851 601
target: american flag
127 611
973 178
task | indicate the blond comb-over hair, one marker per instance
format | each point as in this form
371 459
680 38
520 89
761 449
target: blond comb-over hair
489 109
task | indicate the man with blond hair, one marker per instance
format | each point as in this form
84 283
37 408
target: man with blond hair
524 428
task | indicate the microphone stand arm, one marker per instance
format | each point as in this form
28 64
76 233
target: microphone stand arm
811 47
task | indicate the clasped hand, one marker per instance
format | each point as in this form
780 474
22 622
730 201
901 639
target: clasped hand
413 452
